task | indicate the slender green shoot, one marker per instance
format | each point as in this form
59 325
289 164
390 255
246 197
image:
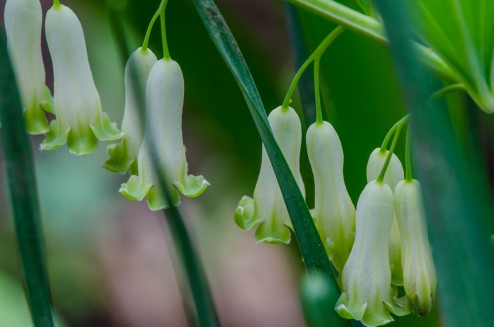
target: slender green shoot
317 90
157 14
390 154
447 90
400 122
316 54
166 52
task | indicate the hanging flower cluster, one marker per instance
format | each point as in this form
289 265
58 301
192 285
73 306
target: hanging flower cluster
377 247
151 147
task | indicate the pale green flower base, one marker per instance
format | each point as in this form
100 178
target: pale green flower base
36 122
136 189
120 160
268 231
83 139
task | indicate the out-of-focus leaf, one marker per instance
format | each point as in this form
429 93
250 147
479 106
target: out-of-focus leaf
458 224
462 33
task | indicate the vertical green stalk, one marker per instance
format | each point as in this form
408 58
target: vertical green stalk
166 52
317 89
56 3
408 153
23 194
458 226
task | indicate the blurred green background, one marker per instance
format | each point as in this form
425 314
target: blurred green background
109 259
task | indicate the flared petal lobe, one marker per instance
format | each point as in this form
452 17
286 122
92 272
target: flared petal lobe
394 174
267 208
162 153
23 20
80 121
334 212
367 294
124 155
418 265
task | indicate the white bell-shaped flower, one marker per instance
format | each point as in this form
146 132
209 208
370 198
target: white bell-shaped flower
268 208
367 293
162 151
23 21
418 265
80 121
394 174
334 212
124 155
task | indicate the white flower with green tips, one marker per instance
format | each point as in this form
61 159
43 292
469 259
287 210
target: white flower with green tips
267 209
394 174
23 20
418 266
124 155
367 293
80 121
162 153
334 212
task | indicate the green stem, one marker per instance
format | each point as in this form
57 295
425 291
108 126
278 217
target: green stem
448 89
20 172
390 154
316 54
166 52
145 43
317 90
408 162
400 122
369 27
56 3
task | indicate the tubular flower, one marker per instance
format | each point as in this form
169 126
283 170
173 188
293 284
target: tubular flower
418 266
367 294
334 212
80 121
394 174
124 155
162 153
267 208
23 20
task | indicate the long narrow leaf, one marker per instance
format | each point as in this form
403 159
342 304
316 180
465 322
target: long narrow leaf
460 229
23 194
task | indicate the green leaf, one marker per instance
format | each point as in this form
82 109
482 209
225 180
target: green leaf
459 225
23 194
310 245
462 33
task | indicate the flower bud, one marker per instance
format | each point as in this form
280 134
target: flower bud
334 212
124 155
80 121
23 20
162 150
268 208
418 266
367 294
394 174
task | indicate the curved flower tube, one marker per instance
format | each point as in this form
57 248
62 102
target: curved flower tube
367 294
162 150
124 155
80 121
394 174
267 209
334 212
23 20
418 266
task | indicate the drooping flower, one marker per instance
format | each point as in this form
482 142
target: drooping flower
23 20
267 209
394 174
418 265
162 153
334 212
367 293
124 155
80 121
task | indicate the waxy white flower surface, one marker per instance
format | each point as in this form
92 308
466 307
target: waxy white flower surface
23 20
367 294
80 121
334 212
418 265
162 154
124 155
394 174
268 208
